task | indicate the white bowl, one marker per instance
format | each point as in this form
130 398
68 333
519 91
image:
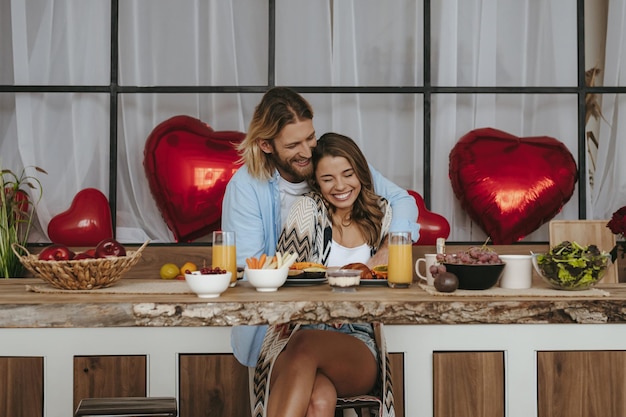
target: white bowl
266 280
208 285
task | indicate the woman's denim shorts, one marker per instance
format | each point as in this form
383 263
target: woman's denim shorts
362 331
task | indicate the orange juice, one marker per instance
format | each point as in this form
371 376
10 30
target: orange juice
225 256
400 268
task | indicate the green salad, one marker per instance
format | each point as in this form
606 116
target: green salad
572 266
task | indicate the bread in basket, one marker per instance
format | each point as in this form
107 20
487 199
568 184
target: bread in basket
82 274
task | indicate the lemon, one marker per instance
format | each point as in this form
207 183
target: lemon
169 271
188 266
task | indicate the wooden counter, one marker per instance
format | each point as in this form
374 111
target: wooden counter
511 347
244 305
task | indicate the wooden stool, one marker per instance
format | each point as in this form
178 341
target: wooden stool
127 407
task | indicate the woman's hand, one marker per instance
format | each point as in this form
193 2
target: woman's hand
381 257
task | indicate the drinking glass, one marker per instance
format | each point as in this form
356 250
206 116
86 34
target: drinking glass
225 253
400 265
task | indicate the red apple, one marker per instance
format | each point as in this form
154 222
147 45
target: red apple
83 255
109 247
56 252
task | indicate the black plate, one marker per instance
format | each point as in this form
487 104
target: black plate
308 275
304 282
373 282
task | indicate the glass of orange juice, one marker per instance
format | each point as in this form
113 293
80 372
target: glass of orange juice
225 253
400 264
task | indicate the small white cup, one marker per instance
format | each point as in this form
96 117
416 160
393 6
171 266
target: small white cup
518 272
428 260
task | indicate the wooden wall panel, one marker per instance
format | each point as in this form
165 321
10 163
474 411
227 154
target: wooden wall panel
581 383
213 385
468 384
109 376
21 386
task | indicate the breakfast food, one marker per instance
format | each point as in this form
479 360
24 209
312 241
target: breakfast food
366 273
473 256
344 278
277 261
446 282
569 265
379 272
303 266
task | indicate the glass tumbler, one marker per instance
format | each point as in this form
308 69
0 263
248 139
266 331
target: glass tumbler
225 253
400 264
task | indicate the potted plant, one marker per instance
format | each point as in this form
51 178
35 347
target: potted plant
17 211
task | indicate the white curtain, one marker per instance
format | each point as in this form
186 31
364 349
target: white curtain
318 43
609 189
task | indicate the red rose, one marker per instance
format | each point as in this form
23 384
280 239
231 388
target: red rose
617 224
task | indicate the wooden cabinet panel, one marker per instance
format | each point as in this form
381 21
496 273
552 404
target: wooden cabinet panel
21 386
109 376
397 379
581 383
213 385
216 385
468 384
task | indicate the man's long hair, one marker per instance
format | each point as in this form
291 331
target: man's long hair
279 107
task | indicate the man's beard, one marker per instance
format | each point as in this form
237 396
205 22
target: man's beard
295 174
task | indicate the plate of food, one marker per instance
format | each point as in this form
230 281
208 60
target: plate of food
306 273
374 282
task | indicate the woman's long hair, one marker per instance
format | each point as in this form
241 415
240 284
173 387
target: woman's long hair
279 107
366 211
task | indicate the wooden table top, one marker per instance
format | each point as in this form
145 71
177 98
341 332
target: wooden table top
20 308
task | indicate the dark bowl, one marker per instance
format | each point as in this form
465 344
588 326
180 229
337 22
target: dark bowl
476 276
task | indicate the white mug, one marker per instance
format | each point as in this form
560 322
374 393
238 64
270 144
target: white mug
518 272
429 260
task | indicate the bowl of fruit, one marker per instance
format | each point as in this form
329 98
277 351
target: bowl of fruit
268 273
208 282
570 266
478 268
67 269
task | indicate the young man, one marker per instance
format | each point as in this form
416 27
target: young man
276 156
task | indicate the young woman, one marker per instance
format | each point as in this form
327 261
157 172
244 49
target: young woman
340 221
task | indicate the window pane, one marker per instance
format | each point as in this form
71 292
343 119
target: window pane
504 43
352 43
387 127
140 114
186 42
65 42
522 115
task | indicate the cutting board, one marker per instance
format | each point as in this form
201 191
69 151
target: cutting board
586 232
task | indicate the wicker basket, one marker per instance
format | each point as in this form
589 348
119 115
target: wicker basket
82 274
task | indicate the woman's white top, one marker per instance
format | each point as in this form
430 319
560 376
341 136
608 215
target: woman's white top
340 255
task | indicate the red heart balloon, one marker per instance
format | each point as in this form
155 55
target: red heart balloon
508 185
432 225
188 165
85 223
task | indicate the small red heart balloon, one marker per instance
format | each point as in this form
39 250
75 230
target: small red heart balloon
432 225
508 185
85 223
188 165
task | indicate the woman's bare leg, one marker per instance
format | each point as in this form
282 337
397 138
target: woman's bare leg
323 398
343 359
